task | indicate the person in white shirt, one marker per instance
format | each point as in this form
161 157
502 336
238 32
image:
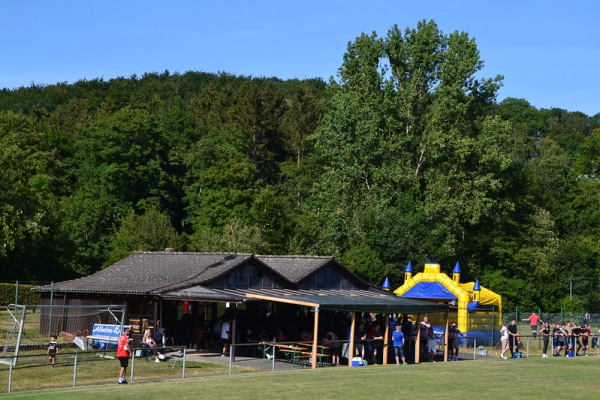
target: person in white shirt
504 340
225 336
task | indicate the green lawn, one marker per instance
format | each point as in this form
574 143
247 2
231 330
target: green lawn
534 378
33 371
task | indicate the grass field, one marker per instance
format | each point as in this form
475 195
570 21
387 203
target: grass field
33 371
534 378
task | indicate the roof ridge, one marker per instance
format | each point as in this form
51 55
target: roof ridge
191 252
292 256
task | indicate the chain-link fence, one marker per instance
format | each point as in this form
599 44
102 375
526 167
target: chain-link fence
33 370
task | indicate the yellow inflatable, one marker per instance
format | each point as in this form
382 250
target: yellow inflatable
474 303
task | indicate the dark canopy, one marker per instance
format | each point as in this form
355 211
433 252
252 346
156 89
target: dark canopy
344 300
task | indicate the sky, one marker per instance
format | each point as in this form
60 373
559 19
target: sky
548 51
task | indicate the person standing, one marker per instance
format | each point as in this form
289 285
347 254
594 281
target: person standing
408 329
431 344
423 333
577 339
225 336
562 340
504 339
360 335
570 343
586 332
333 347
546 337
557 334
52 350
123 353
513 343
376 343
454 336
398 343
216 330
534 320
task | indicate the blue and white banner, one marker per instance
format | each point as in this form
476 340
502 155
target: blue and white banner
109 333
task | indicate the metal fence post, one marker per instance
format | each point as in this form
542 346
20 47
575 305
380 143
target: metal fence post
132 365
230 359
75 370
474 348
184 352
10 370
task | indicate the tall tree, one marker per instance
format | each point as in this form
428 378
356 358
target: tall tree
30 243
151 231
409 135
120 167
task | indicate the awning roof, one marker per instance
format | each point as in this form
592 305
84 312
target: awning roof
342 300
201 293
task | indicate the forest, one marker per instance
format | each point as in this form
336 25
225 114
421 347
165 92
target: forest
405 155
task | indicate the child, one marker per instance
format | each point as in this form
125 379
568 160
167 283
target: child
52 350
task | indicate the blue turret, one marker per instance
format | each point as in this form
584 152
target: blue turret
473 305
408 271
386 284
456 273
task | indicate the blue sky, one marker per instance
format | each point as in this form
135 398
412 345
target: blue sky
547 51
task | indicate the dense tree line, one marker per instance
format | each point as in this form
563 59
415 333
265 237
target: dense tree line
405 155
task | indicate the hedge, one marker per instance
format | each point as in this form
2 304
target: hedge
26 296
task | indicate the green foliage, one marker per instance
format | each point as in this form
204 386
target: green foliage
366 263
409 134
26 296
151 231
404 156
234 237
572 305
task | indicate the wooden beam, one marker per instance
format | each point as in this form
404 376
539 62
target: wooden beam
281 300
315 339
446 340
234 334
386 339
418 342
351 343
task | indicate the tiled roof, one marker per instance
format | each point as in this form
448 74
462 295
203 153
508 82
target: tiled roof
153 272
295 268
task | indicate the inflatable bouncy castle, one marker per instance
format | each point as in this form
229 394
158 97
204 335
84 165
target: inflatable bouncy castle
477 308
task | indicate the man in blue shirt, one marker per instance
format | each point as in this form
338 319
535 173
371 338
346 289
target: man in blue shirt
398 342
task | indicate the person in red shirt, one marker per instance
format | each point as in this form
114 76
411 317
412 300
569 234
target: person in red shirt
123 353
586 332
534 320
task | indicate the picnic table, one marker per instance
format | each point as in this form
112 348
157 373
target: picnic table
298 353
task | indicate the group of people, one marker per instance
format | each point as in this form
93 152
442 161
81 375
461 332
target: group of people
509 338
569 338
124 350
429 340
368 340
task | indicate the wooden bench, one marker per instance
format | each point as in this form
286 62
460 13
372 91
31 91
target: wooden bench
306 349
294 354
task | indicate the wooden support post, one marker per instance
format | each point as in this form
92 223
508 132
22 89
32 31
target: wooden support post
418 341
315 338
233 333
446 341
351 344
386 339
